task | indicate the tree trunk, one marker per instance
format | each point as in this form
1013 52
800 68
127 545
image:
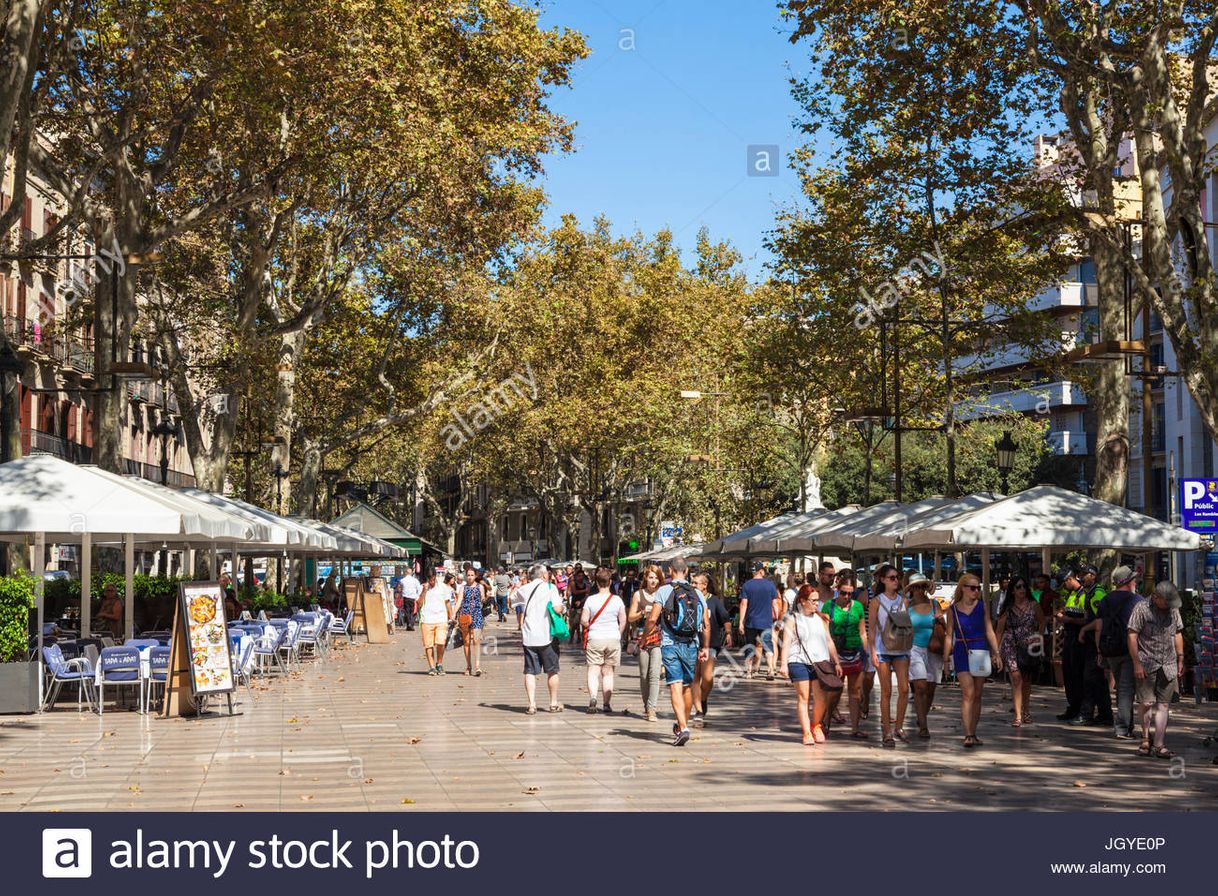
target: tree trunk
284 413
1110 397
310 473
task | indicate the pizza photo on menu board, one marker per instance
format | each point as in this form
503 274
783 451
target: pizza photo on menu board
207 637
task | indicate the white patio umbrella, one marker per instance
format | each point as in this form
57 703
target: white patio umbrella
1046 516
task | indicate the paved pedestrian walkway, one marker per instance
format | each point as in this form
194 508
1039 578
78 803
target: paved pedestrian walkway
369 729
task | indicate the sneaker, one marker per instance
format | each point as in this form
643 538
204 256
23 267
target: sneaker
697 720
652 716
432 671
1123 735
440 670
1080 720
607 709
592 708
682 738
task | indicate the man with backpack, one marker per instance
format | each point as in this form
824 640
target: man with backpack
1112 625
680 612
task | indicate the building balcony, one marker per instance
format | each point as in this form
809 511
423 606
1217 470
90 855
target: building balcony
1040 398
35 441
152 472
1005 357
1059 295
1069 443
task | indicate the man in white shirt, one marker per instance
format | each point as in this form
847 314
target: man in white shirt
540 648
435 612
411 589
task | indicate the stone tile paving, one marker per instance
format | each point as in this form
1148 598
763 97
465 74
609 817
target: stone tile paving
368 729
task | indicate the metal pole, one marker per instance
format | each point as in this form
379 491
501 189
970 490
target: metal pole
40 545
129 563
86 583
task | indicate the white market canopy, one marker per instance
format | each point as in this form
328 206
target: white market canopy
281 533
42 494
798 536
892 534
1046 516
661 555
737 542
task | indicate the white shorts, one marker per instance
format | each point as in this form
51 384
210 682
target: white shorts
925 666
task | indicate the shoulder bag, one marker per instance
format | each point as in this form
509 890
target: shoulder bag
978 660
826 674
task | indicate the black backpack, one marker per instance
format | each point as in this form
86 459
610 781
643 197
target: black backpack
1114 638
680 612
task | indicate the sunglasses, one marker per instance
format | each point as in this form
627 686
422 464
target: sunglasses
891 576
971 587
846 591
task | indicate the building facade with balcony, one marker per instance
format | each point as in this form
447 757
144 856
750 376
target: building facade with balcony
53 344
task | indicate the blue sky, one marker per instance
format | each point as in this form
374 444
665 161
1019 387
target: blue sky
666 105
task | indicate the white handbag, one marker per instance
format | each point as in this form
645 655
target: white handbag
979 663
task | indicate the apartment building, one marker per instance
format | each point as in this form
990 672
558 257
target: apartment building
53 345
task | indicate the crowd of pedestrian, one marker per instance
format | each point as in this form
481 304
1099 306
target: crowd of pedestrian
829 636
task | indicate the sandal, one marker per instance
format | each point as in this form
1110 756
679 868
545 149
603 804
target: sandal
477 673
557 707
923 732
531 711
818 734
1018 723
861 735
900 735
978 741
1162 753
970 741
1144 748
889 742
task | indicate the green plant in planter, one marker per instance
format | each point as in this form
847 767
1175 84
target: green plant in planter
16 601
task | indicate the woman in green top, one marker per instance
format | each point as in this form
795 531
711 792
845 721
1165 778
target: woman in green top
846 618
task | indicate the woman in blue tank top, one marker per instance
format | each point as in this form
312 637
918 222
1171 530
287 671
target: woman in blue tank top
969 628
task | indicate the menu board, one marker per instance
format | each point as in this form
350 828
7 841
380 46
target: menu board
202 609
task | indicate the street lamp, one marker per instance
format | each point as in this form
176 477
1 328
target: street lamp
1006 448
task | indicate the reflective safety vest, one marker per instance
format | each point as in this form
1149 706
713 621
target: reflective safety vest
1082 601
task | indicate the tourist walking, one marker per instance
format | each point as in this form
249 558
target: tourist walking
684 639
579 588
411 589
926 655
1156 645
847 626
435 613
891 643
650 658
973 647
502 584
720 633
469 621
603 619
537 638
757 598
1020 644
811 661
1115 611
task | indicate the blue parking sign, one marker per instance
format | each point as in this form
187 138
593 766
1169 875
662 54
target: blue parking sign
1199 505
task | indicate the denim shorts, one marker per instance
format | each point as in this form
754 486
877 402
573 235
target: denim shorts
679 660
800 672
890 658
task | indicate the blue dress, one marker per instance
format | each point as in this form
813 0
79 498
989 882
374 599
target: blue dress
471 603
968 633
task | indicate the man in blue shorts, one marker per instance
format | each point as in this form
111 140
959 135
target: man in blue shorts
757 598
680 611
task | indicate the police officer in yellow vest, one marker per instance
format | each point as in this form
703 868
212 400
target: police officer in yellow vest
1087 698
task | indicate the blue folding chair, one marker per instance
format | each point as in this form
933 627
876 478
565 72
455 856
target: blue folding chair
266 649
158 672
62 670
120 666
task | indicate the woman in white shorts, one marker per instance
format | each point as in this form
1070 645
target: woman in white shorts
925 665
603 619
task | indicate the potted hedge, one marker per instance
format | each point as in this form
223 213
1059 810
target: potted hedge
18 676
